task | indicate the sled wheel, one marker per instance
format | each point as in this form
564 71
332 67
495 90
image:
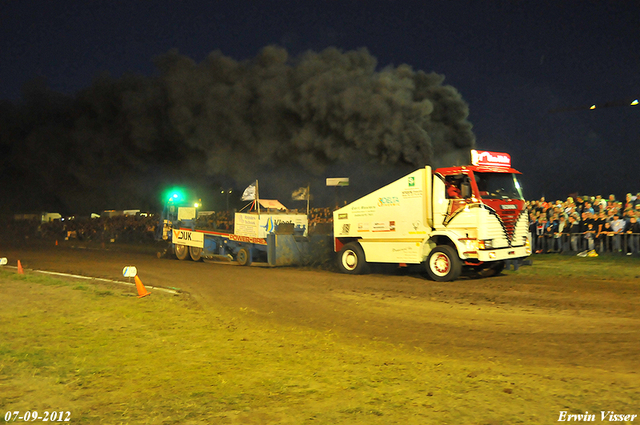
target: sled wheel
195 253
244 257
182 252
443 264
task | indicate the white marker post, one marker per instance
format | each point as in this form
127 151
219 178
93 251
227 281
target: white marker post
130 271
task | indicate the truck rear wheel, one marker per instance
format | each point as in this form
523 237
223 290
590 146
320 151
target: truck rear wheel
182 252
443 264
244 257
195 253
351 259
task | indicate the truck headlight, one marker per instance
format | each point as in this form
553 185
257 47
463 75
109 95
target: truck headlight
472 244
485 244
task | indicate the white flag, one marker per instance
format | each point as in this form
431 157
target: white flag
300 194
249 193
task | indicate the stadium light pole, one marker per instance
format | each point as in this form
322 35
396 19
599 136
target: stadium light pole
227 192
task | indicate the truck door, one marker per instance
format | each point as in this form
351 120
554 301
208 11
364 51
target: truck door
440 201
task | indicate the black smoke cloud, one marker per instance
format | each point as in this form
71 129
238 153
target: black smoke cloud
285 121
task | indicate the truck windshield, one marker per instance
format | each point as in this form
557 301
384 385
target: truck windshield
498 186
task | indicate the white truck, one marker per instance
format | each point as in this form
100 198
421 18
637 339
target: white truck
472 216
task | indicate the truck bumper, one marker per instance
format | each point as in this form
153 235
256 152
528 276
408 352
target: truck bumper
500 254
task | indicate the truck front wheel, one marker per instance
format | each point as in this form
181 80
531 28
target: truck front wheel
443 264
351 259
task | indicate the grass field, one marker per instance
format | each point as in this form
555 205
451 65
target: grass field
105 356
606 267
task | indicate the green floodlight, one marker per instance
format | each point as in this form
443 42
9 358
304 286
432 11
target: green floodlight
175 195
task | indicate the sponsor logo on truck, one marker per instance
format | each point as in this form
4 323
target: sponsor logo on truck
384 226
389 201
248 239
187 237
412 193
182 235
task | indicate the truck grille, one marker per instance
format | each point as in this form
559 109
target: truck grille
513 224
509 219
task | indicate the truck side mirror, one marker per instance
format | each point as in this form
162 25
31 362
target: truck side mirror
466 190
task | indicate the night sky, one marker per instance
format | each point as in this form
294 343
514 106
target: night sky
103 105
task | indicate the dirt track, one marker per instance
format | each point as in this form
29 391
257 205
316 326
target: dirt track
577 322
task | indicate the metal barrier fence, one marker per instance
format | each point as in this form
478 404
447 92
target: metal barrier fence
622 243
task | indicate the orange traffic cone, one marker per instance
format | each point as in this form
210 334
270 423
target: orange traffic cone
142 291
20 271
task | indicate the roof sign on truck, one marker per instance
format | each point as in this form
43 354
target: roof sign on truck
492 159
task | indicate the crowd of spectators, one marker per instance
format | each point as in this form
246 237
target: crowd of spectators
585 224
121 228
223 221
216 220
321 220
131 228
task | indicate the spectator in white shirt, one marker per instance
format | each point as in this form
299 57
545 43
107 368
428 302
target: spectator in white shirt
617 225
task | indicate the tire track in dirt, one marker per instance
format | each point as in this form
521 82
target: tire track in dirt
577 323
